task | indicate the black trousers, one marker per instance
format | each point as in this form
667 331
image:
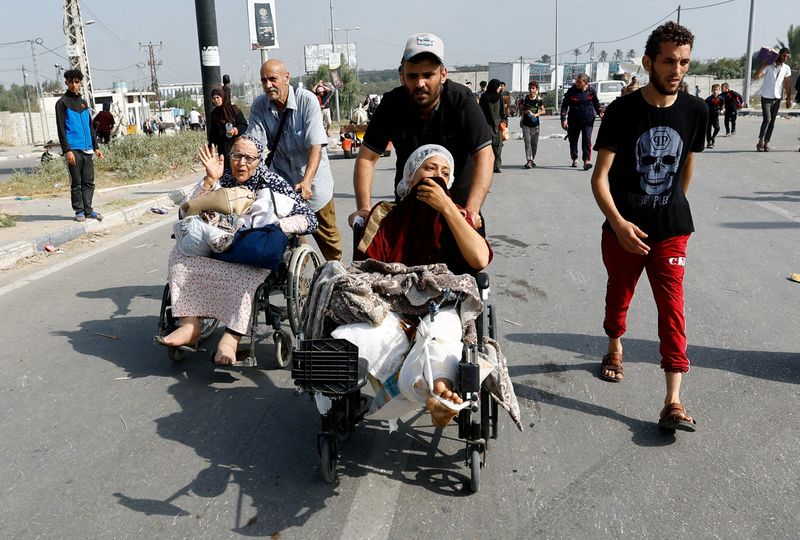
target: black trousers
730 121
769 111
81 177
713 127
497 148
575 130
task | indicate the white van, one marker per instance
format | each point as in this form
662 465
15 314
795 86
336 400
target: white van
607 91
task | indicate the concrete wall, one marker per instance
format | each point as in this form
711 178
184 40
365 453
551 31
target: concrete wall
15 128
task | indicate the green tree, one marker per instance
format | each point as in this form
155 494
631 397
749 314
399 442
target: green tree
350 93
792 42
181 102
603 56
13 99
631 54
619 55
577 53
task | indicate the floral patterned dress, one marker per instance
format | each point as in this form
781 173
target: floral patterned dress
204 287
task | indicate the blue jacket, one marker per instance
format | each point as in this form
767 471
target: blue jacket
74 121
579 107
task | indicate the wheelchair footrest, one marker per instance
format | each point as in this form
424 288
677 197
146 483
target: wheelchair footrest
329 366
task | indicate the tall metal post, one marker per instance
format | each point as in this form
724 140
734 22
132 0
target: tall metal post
679 14
333 49
748 60
208 44
76 47
154 86
39 93
28 102
556 83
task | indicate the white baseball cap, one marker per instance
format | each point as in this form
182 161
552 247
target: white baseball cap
424 43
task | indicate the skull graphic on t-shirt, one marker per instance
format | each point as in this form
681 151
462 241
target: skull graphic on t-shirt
658 152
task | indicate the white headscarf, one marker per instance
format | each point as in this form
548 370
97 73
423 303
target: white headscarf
415 161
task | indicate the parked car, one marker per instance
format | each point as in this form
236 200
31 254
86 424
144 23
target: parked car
607 91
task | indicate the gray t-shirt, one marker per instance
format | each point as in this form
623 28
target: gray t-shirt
302 130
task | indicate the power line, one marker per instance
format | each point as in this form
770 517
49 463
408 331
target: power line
708 5
642 31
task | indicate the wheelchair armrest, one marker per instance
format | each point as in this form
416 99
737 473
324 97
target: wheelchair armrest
483 280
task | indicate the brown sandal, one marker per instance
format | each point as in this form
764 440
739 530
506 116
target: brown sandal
612 362
673 416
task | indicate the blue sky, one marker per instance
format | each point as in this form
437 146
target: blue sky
473 31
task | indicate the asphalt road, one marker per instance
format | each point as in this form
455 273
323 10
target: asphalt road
7 167
102 436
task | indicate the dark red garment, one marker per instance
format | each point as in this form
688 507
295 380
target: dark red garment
104 122
413 233
665 266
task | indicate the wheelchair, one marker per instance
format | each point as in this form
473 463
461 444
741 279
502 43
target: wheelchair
331 367
292 280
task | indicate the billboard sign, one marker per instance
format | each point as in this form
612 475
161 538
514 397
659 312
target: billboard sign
322 54
262 25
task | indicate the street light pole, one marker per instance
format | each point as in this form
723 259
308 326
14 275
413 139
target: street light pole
556 83
39 93
748 61
28 102
333 51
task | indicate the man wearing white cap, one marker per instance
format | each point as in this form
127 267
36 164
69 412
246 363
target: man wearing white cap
428 109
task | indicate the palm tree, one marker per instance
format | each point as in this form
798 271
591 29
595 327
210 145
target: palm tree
577 53
545 59
792 41
618 55
603 56
631 54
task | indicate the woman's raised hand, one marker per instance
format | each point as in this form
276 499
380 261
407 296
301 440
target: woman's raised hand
213 162
433 195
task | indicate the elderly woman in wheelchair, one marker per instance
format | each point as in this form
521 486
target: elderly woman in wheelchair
205 287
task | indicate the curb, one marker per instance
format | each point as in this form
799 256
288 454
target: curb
21 156
11 253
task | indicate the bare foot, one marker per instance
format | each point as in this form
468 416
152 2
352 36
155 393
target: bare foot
441 415
186 334
226 350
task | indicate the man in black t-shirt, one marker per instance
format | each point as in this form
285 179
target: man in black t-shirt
645 162
428 109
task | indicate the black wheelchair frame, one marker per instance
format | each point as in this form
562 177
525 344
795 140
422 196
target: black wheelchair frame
292 279
331 367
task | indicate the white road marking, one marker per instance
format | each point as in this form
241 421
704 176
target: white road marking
80 258
775 209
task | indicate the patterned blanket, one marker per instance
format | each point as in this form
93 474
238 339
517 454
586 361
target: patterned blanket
369 289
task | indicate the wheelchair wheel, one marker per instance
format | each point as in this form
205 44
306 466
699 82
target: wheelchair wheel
328 461
283 348
207 327
302 265
475 469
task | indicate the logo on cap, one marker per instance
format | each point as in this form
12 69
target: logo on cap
426 41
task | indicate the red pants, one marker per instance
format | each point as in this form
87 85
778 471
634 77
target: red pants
665 269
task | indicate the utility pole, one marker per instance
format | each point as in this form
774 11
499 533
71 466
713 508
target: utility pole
556 82
76 47
679 14
333 48
748 60
39 93
28 102
153 71
208 44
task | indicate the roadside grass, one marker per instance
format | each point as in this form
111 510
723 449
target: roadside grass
7 220
130 160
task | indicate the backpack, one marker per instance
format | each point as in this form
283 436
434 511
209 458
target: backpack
737 100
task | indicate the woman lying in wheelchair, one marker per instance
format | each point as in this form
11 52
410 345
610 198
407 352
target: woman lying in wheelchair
209 285
413 276
426 227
